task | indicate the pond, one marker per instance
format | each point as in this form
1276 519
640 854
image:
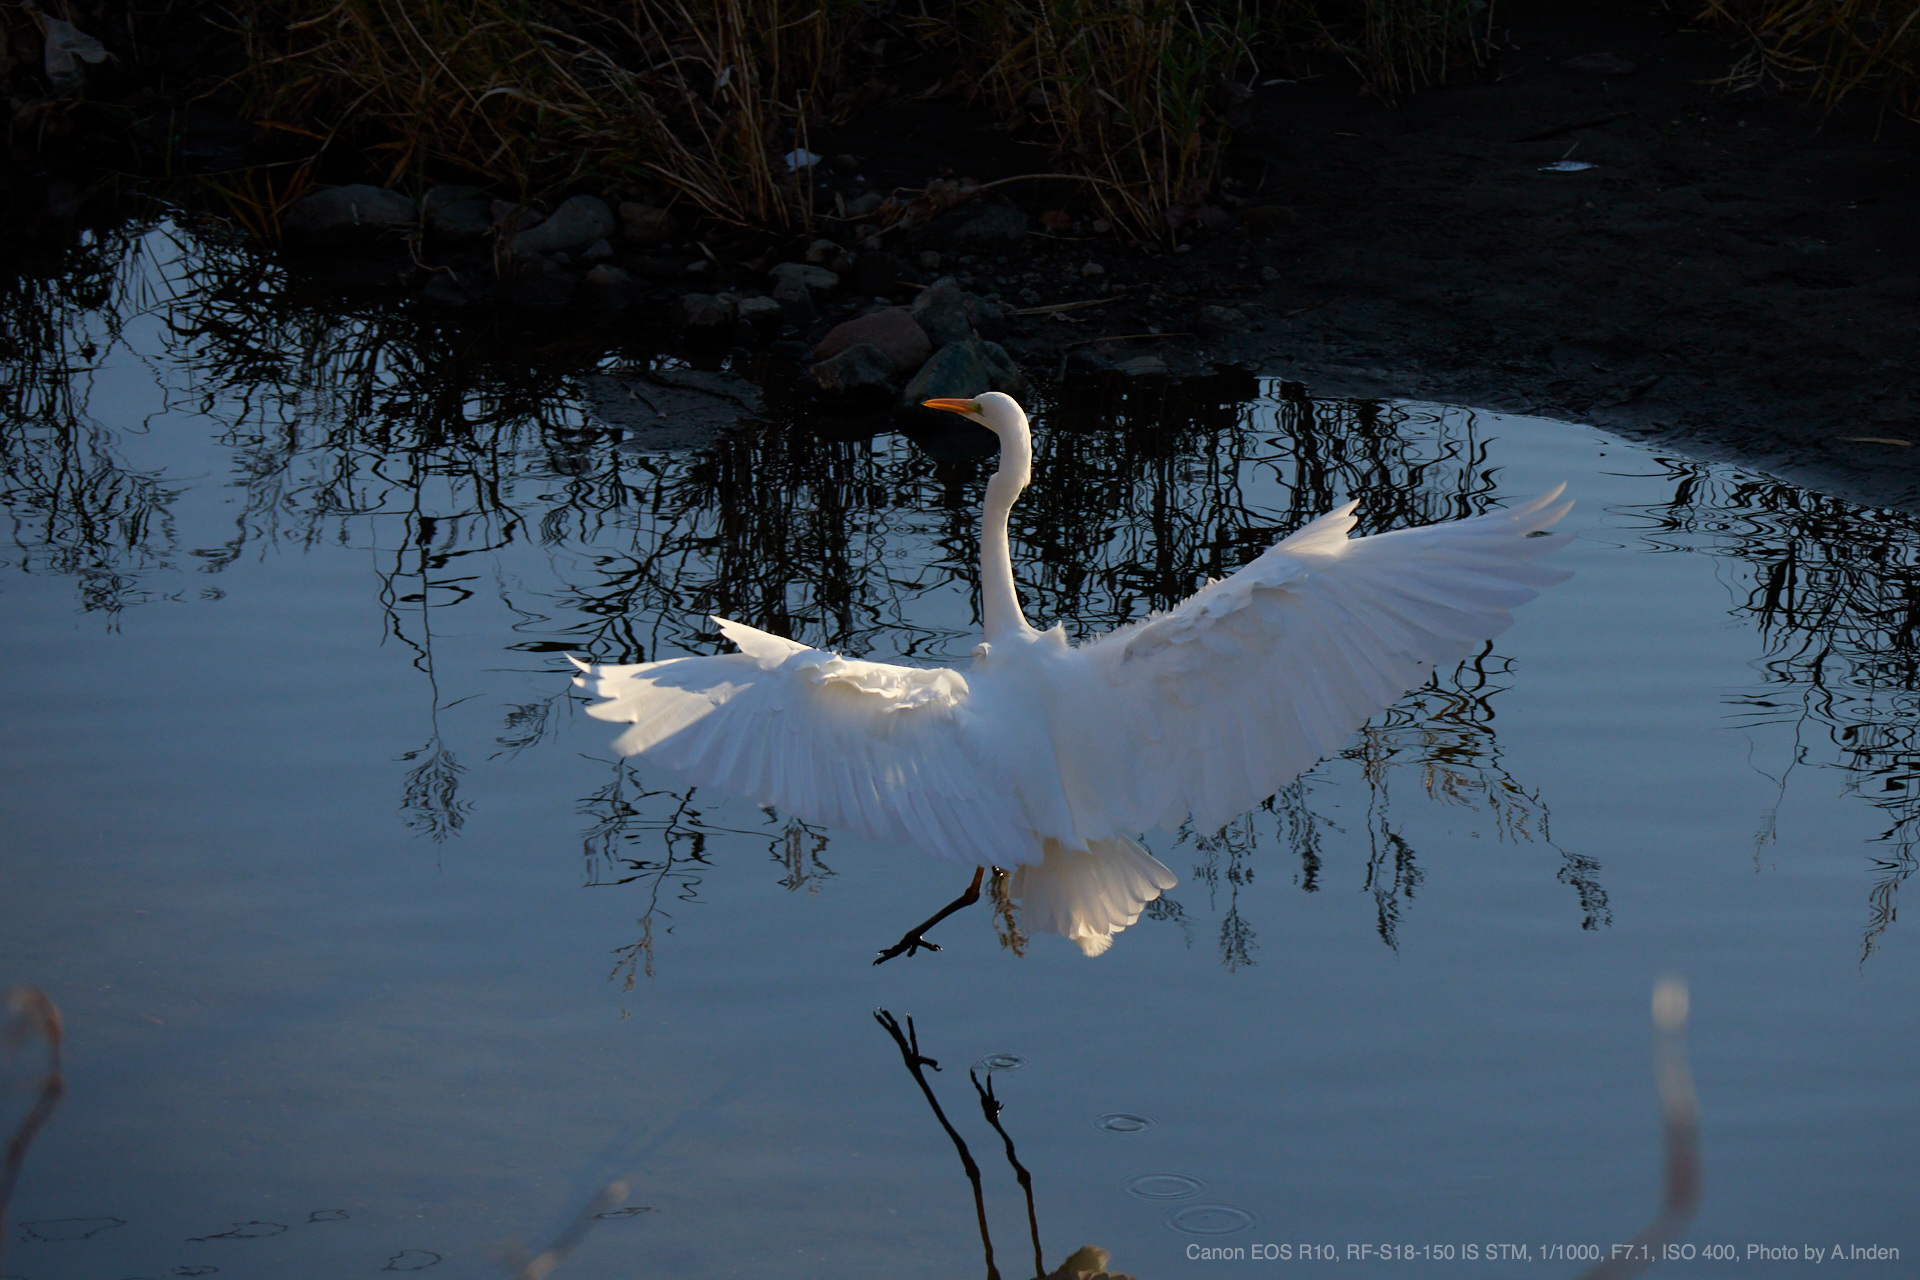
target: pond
373 956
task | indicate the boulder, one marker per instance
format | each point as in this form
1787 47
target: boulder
538 282
801 273
974 226
892 330
966 368
862 370
577 223
356 214
457 214
608 286
598 251
764 314
644 224
508 216
875 273
1212 320
708 313
796 302
950 314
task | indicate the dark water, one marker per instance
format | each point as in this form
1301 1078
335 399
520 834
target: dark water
373 957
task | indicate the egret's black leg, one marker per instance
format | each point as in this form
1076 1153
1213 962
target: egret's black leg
915 939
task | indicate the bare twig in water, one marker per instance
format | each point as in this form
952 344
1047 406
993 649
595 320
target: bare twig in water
32 1013
991 1107
909 1044
1680 1111
541 1265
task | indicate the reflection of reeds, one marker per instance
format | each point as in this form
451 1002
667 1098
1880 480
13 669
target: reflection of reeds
30 1014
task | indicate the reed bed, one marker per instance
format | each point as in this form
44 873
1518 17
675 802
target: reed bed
700 97
1832 48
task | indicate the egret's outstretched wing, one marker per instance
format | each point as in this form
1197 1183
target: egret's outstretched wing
865 746
1247 683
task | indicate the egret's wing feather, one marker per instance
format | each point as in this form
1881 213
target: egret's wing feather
1250 681
865 746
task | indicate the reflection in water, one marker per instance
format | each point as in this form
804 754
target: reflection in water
1834 592
461 458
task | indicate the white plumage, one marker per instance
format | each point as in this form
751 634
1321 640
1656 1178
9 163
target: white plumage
1050 758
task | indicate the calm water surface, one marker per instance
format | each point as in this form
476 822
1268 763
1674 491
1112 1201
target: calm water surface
373 956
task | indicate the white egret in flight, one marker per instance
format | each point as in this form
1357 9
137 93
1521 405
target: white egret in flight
1050 758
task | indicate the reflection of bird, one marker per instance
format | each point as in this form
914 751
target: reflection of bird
1048 757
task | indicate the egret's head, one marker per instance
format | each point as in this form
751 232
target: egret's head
991 409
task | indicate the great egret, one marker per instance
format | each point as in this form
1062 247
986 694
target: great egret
1050 757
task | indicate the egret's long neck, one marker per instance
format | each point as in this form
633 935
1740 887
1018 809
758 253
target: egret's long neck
999 602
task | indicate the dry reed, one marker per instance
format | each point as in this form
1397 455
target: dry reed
1834 48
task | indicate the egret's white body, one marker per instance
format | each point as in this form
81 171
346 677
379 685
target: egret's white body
1050 758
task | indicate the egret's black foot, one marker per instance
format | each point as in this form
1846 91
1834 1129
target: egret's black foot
915 938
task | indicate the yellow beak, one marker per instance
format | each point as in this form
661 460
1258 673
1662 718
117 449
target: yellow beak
954 406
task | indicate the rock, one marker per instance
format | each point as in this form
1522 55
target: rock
1211 320
862 370
539 282
1093 269
893 330
515 217
845 163
1140 366
1213 217
458 214
443 290
598 251
950 314
795 301
1267 219
1056 220
865 205
821 252
671 408
608 286
356 214
644 224
65 198
764 314
812 277
577 223
929 260
709 313
1601 64
1269 274
1088 1258
875 272
966 368
975 226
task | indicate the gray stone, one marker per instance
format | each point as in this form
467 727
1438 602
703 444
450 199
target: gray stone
457 214
801 273
862 370
356 214
508 216
608 286
864 206
764 314
892 330
975 226
966 368
538 282
950 314
822 252
796 302
709 313
1211 320
644 224
598 251
443 290
670 409
1140 366
929 260
577 223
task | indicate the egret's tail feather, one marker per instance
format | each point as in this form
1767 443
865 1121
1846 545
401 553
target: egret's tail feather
1088 895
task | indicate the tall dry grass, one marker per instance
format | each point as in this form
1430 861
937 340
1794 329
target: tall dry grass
698 96
1833 48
